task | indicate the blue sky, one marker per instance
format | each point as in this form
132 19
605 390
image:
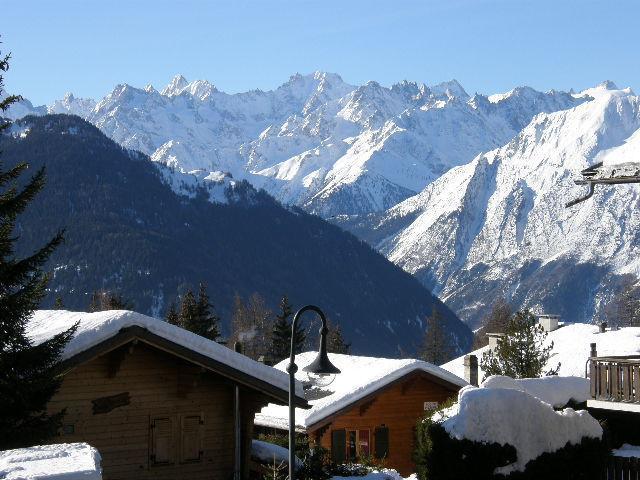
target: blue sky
89 46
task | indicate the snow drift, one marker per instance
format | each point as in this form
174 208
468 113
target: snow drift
508 416
65 461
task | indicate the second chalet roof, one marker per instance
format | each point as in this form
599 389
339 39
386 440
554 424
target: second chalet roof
359 378
571 347
94 329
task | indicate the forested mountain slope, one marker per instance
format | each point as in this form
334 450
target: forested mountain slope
127 230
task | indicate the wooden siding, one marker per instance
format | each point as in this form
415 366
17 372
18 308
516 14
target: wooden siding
159 386
398 407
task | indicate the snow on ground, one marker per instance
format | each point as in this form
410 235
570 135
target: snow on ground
267 452
556 391
359 377
65 461
627 450
571 347
384 474
96 327
508 416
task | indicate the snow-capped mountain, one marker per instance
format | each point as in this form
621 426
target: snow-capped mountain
498 226
403 167
316 141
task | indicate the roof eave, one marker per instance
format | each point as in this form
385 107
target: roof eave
127 334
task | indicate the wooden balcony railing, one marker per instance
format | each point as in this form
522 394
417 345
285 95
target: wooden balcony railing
615 379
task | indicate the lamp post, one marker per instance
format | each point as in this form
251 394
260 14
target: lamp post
321 366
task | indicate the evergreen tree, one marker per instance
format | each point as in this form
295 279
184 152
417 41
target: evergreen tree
29 374
172 315
437 347
58 304
102 300
188 311
206 322
281 334
522 352
335 340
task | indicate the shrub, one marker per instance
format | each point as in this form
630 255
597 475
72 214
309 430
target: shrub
440 457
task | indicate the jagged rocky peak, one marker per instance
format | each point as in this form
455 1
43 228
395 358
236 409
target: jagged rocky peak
450 89
175 86
409 90
608 85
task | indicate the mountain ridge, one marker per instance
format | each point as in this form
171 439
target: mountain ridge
127 230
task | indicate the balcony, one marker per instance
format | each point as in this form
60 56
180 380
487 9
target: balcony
615 383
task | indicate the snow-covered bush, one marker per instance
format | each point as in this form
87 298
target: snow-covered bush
496 433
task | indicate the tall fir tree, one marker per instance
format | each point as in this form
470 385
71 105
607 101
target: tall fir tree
29 374
188 310
206 323
281 333
335 340
58 304
437 345
172 315
522 352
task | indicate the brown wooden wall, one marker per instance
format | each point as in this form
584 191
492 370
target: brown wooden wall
159 385
398 407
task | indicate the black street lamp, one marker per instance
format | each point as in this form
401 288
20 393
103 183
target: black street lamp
320 368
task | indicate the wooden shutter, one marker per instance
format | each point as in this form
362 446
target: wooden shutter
191 431
338 446
382 442
161 441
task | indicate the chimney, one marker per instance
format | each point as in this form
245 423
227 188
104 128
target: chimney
549 322
594 351
493 339
603 327
471 369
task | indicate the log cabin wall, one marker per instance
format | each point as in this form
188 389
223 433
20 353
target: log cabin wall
389 417
153 415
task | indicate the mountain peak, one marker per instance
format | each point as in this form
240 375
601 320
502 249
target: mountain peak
451 89
177 84
607 85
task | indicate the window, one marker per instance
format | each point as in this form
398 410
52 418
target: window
162 447
350 445
176 437
363 443
338 445
191 438
382 442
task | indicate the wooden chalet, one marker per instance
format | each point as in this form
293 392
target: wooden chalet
370 410
155 400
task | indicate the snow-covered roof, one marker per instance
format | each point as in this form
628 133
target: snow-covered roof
571 347
271 453
95 328
65 461
359 377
